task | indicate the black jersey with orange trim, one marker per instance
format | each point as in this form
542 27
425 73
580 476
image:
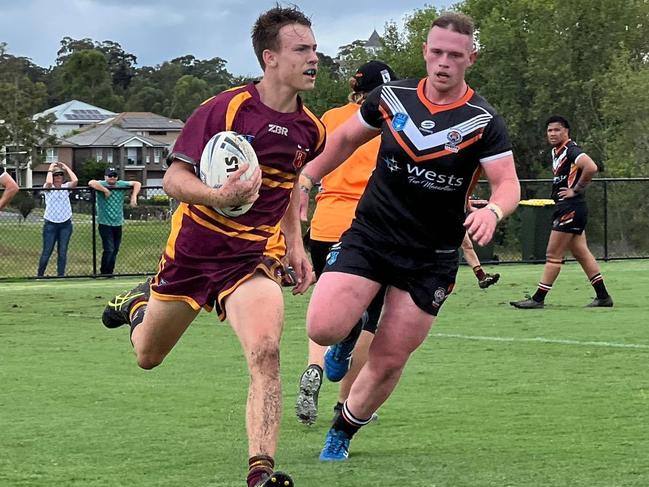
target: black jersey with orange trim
564 168
283 142
430 158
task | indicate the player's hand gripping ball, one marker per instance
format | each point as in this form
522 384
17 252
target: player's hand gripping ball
223 155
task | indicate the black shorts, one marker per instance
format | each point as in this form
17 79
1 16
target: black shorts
570 217
319 252
429 277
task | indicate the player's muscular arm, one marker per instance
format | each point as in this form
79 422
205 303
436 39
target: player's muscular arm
505 195
181 183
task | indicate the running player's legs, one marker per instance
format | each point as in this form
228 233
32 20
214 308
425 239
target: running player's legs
469 252
558 243
319 251
361 350
337 303
163 324
402 328
579 248
255 311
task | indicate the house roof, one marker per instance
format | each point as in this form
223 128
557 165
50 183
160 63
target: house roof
76 112
374 40
145 121
108 136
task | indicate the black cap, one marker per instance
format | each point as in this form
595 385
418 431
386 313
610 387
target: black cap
110 171
373 74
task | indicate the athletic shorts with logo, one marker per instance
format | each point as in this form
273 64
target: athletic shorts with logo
429 277
570 217
319 253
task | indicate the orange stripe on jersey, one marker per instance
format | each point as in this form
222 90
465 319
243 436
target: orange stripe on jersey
233 108
428 157
231 223
276 184
276 172
433 108
214 228
176 224
185 299
572 177
276 245
319 125
208 100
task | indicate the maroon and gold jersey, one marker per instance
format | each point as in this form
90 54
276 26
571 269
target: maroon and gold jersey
564 168
205 246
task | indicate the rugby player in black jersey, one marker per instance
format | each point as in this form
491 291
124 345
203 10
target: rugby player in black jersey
573 170
436 136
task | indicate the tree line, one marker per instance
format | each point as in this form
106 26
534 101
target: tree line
584 59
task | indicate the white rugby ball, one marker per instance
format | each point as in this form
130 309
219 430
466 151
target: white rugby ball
224 154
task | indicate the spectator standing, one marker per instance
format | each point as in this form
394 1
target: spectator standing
57 226
110 214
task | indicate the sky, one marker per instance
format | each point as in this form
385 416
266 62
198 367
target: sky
160 30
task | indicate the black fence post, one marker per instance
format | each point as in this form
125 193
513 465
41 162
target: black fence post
605 220
94 232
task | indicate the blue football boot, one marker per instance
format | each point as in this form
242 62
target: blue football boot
336 447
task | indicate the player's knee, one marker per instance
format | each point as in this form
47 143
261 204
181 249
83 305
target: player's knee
149 361
265 357
324 331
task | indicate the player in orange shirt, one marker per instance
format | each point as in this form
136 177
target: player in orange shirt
336 203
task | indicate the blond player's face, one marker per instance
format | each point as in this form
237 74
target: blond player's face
448 54
297 61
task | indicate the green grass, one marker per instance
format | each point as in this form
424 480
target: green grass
495 397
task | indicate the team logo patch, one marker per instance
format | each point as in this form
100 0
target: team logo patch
399 121
332 256
427 126
454 137
439 296
300 157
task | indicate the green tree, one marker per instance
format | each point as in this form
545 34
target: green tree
20 98
624 109
330 88
85 76
91 169
189 92
402 48
539 57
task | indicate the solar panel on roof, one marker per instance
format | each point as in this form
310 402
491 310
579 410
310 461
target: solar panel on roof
85 114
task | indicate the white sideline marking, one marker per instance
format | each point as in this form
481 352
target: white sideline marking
543 340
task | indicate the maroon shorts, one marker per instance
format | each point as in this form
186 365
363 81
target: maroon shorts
201 266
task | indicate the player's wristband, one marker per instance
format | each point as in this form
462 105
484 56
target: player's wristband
496 210
306 182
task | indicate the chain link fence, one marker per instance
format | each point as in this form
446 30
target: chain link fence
618 228
29 230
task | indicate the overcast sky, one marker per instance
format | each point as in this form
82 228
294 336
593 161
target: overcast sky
160 30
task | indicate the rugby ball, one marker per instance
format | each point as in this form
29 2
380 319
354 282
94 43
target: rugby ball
223 154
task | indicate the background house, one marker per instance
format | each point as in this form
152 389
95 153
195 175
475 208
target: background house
73 115
134 142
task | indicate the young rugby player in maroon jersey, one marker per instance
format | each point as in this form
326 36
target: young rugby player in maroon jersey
233 265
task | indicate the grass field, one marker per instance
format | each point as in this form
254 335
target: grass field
495 397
